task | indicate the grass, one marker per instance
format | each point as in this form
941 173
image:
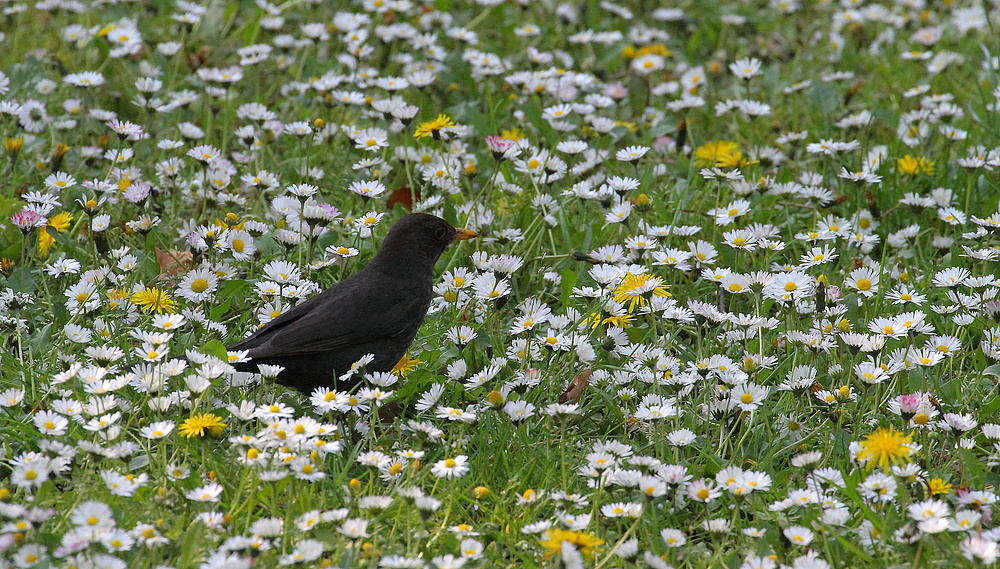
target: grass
733 304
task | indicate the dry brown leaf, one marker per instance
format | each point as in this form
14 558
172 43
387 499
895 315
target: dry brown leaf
173 262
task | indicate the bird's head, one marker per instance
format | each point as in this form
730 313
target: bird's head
420 235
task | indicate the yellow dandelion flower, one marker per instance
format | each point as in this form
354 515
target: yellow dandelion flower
154 300
629 125
431 128
45 241
61 221
587 544
633 289
657 49
512 134
201 424
884 447
915 165
938 487
405 365
721 153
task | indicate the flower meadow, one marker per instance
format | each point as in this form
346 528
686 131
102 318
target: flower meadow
733 303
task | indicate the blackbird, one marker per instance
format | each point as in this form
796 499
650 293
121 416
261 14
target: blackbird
374 311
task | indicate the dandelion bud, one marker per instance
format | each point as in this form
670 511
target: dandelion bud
57 156
13 147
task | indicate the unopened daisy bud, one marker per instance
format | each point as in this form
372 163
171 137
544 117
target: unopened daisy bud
318 124
496 398
479 492
355 485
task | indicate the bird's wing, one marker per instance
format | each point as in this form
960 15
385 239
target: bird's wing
265 332
350 314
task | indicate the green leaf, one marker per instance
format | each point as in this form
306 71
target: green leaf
21 280
566 285
215 348
220 310
993 370
823 99
227 293
191 544
989 409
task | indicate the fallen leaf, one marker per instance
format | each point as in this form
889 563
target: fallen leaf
173 262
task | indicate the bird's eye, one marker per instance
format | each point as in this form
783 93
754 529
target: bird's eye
441 233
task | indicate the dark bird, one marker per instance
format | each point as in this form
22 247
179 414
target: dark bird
377 310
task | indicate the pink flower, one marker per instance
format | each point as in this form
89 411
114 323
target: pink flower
27 219
501 147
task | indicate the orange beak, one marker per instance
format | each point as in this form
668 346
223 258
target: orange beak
463 234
